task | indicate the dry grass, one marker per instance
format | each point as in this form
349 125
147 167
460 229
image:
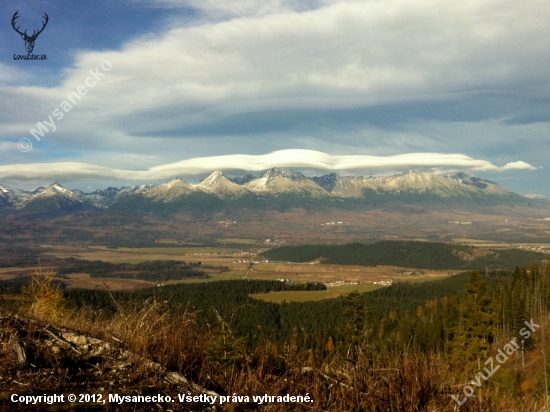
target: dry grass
42 299
399 381
407 382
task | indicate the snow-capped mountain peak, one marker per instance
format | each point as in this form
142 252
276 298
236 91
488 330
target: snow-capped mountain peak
56 200
281 180
214 179
170 190
275 181
57 190
221 186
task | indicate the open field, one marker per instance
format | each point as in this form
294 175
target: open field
241 266
296 273
491 244
137 255
322 273
83 280
309 296
10 273
316 272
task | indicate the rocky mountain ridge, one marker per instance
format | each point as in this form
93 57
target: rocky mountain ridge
280 180
219 185
273 182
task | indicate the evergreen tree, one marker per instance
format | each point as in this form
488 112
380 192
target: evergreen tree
473 336
356 327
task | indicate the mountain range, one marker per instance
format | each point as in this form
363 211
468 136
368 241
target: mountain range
275 183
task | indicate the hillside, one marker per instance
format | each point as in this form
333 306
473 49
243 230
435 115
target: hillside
403 340
97 367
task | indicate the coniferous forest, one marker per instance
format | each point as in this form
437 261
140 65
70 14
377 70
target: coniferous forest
427 255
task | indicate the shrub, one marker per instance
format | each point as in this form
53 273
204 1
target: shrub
43 299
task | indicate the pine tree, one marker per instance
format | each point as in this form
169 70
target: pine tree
474 334
356 328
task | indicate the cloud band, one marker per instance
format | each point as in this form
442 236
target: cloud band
295 158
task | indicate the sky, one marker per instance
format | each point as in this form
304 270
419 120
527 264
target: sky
136 91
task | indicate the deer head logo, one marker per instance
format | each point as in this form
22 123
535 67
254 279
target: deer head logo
29 40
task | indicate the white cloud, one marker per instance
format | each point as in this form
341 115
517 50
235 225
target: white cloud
295 158
519 165
346 54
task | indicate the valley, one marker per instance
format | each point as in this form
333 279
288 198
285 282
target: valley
237 264
295 225
424 261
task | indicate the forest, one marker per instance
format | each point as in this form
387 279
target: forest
408 254
421 315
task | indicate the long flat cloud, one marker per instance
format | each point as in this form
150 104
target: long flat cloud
294 158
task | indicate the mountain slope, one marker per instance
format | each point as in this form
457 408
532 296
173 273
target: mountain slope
280 180
537 196
421 255
414 182
5 199
56 200
486 185
170 191
15 198
219 185
106 197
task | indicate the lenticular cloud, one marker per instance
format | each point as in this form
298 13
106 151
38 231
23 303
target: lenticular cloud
295 158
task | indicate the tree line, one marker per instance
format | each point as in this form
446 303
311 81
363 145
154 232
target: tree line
157 270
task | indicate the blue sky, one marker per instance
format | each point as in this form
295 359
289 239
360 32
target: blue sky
192 84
